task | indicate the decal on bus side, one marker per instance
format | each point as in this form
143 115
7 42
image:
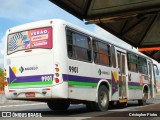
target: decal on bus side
73 69
46 78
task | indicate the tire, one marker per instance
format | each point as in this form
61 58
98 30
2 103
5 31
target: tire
111 103
142 102
58 104
122 105
90 106
144 99
103 99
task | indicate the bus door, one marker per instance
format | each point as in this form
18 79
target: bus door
122 65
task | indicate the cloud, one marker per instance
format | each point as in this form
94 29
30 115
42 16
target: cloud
32 10
23 11
26 9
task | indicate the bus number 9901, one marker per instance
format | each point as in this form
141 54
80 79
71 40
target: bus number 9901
46 78
73 69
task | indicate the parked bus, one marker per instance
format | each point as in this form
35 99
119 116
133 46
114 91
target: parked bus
59 63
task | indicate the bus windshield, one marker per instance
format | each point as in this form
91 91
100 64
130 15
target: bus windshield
34 38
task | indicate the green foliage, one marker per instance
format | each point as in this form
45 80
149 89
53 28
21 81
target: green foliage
1 72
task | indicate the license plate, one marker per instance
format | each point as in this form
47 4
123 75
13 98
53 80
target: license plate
30 94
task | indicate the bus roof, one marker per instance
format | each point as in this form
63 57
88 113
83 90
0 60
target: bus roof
50 21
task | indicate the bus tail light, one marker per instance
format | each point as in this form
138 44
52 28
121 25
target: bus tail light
57 70
5 80
56 80
5 83
56 74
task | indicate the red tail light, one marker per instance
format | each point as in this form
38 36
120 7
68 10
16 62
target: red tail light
57 69
56 80
5 83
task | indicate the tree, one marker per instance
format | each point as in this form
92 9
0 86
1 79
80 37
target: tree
1 72
1 80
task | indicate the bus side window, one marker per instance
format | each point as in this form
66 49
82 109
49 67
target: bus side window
150 70
142 65
132 62
83 48
95 52
78 46
118 59
113 56
70 46
101 53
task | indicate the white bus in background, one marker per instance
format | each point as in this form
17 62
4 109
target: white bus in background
59 63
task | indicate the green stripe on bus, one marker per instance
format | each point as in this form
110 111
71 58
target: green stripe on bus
82 83
29 83
135 87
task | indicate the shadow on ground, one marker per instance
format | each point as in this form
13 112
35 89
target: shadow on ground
82 111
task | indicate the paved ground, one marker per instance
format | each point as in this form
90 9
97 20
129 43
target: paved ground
77 112
4 101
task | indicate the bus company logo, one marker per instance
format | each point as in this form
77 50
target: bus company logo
100 72
21 69
31 68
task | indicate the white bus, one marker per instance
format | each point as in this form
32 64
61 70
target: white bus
59 63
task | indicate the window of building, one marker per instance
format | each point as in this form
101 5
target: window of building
101 53
142 65
132 62
78 46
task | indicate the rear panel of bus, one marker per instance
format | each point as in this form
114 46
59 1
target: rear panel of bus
30 62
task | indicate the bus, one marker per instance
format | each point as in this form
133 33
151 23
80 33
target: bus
56 62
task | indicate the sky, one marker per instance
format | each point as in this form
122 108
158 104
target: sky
17 12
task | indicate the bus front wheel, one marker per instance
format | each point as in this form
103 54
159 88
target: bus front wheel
58 104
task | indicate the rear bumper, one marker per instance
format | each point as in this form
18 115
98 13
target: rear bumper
57 91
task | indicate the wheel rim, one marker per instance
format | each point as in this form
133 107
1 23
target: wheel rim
103 98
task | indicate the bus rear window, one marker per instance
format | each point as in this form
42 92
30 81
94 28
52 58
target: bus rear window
30 39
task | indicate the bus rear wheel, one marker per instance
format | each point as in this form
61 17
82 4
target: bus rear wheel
58 104
103 99
143 101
